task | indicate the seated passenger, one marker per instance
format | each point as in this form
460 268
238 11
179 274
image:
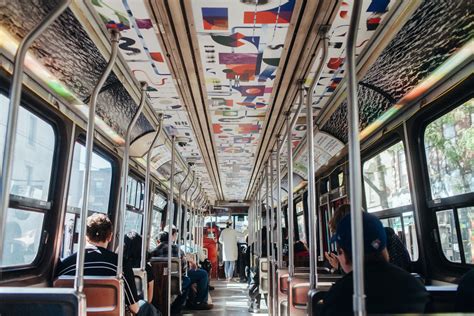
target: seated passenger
300 249
194 275
397 251
132 253
101 262
388 288
465 293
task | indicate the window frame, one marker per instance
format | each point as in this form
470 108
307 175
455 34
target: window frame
447 203
50 208
370 152
104 153
451 201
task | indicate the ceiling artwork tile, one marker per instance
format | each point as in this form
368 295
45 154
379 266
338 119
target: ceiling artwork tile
140 47
240 46
372 17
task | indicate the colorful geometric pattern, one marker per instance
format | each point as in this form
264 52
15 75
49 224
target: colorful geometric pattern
240 47
334 69
141 49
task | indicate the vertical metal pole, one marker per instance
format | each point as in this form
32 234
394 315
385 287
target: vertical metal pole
124 178
312 211
146 208
278 217
269 227
355 165
272 221
180 208
171 219
291 219
79 281
186 208
14 107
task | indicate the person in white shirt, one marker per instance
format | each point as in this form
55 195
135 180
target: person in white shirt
228 239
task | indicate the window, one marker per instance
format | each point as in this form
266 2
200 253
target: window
101 181
31 179
136 193
159 203
99 194
133 221
449 153
300 221
466 223
450 236
404 227
385 180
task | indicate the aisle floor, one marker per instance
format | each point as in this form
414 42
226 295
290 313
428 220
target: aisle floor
229 298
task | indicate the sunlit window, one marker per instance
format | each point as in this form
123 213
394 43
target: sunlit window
385 180
448 235
33 156
450 153
300 222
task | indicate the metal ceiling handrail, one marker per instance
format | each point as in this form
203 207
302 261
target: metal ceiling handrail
312 211
124 178
171 219
79 281
355 180
146 205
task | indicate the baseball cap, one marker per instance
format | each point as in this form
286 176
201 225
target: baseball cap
375 238
167 228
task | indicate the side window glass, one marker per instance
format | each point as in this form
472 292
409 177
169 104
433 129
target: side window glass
33 155
300 221
448 235
404 227
99 194
449 152
101 181
385 180
31 178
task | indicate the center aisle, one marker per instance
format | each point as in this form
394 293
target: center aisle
229 298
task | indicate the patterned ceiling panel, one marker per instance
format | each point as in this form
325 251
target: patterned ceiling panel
141 49
372 17
434 32
240 46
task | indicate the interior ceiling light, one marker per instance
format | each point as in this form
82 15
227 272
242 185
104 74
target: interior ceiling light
9 43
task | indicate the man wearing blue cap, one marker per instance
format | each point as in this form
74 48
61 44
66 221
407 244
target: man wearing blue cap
388 288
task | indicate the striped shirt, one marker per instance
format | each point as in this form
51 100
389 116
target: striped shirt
101 262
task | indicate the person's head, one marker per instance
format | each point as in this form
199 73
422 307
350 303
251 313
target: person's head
339 214
132 250
228 224
163 237
99 230
300 246
174 232
375 241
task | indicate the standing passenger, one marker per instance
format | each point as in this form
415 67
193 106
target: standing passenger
228 239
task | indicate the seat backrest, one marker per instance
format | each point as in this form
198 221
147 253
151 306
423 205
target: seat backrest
104 294
27 301
141 283
159 267
298 294
442 298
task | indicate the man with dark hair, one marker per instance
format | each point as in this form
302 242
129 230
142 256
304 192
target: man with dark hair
194 275
388 288
99 261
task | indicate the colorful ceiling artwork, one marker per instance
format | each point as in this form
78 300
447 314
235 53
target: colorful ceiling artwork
240 46
140 48
372 17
